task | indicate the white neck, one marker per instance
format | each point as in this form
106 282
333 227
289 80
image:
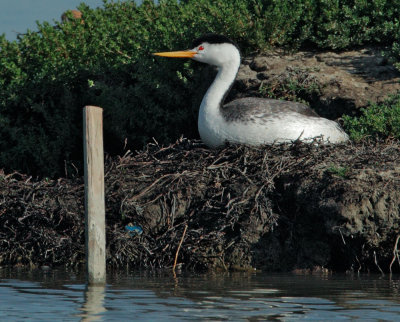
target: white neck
227 58
212 100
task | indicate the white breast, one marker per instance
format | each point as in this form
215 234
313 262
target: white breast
288 127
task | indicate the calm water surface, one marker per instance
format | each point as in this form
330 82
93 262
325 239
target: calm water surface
60 295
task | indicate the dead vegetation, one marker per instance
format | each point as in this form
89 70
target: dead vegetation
279 207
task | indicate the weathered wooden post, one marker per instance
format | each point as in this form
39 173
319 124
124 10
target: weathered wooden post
94 195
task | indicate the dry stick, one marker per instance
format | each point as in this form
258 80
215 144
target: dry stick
359 265
151 186
179 247
376 263
344 242
395 254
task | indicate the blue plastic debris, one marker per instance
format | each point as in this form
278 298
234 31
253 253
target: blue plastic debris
134 230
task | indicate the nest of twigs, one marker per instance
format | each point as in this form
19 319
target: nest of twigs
276 207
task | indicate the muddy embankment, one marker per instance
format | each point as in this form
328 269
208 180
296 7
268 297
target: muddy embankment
278 208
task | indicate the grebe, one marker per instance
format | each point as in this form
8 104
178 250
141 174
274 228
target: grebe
251 120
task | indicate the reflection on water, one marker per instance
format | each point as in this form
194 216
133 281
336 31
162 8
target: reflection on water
93 305
59 295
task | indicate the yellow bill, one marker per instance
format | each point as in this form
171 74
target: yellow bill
180 54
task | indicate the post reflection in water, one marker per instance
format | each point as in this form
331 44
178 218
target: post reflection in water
93 305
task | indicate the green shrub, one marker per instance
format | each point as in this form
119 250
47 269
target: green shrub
341 24
377 121
46 77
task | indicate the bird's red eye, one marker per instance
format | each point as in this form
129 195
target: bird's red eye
201 48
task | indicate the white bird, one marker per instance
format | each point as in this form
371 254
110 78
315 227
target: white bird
250 120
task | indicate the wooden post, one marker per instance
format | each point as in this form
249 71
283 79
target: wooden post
94 195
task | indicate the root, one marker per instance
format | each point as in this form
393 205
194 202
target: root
377 265
395 254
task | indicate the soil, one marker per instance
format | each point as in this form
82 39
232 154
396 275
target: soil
303 207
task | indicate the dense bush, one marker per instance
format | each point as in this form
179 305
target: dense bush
340 24
377 121
46 77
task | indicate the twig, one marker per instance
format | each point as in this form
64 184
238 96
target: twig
344 242
376 263
144 191
395 254
223 263
179 247
359 265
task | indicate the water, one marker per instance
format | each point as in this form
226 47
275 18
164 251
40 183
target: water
18 16
59 295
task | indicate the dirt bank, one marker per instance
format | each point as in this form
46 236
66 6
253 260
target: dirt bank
272 208
333 83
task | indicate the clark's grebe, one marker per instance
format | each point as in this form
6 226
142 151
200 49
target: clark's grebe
251 120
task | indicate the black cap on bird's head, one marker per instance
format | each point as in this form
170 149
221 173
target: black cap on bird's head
213 39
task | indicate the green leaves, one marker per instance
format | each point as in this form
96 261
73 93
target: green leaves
104 59
377 121
343 23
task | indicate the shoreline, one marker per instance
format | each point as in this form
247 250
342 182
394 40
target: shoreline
298 207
